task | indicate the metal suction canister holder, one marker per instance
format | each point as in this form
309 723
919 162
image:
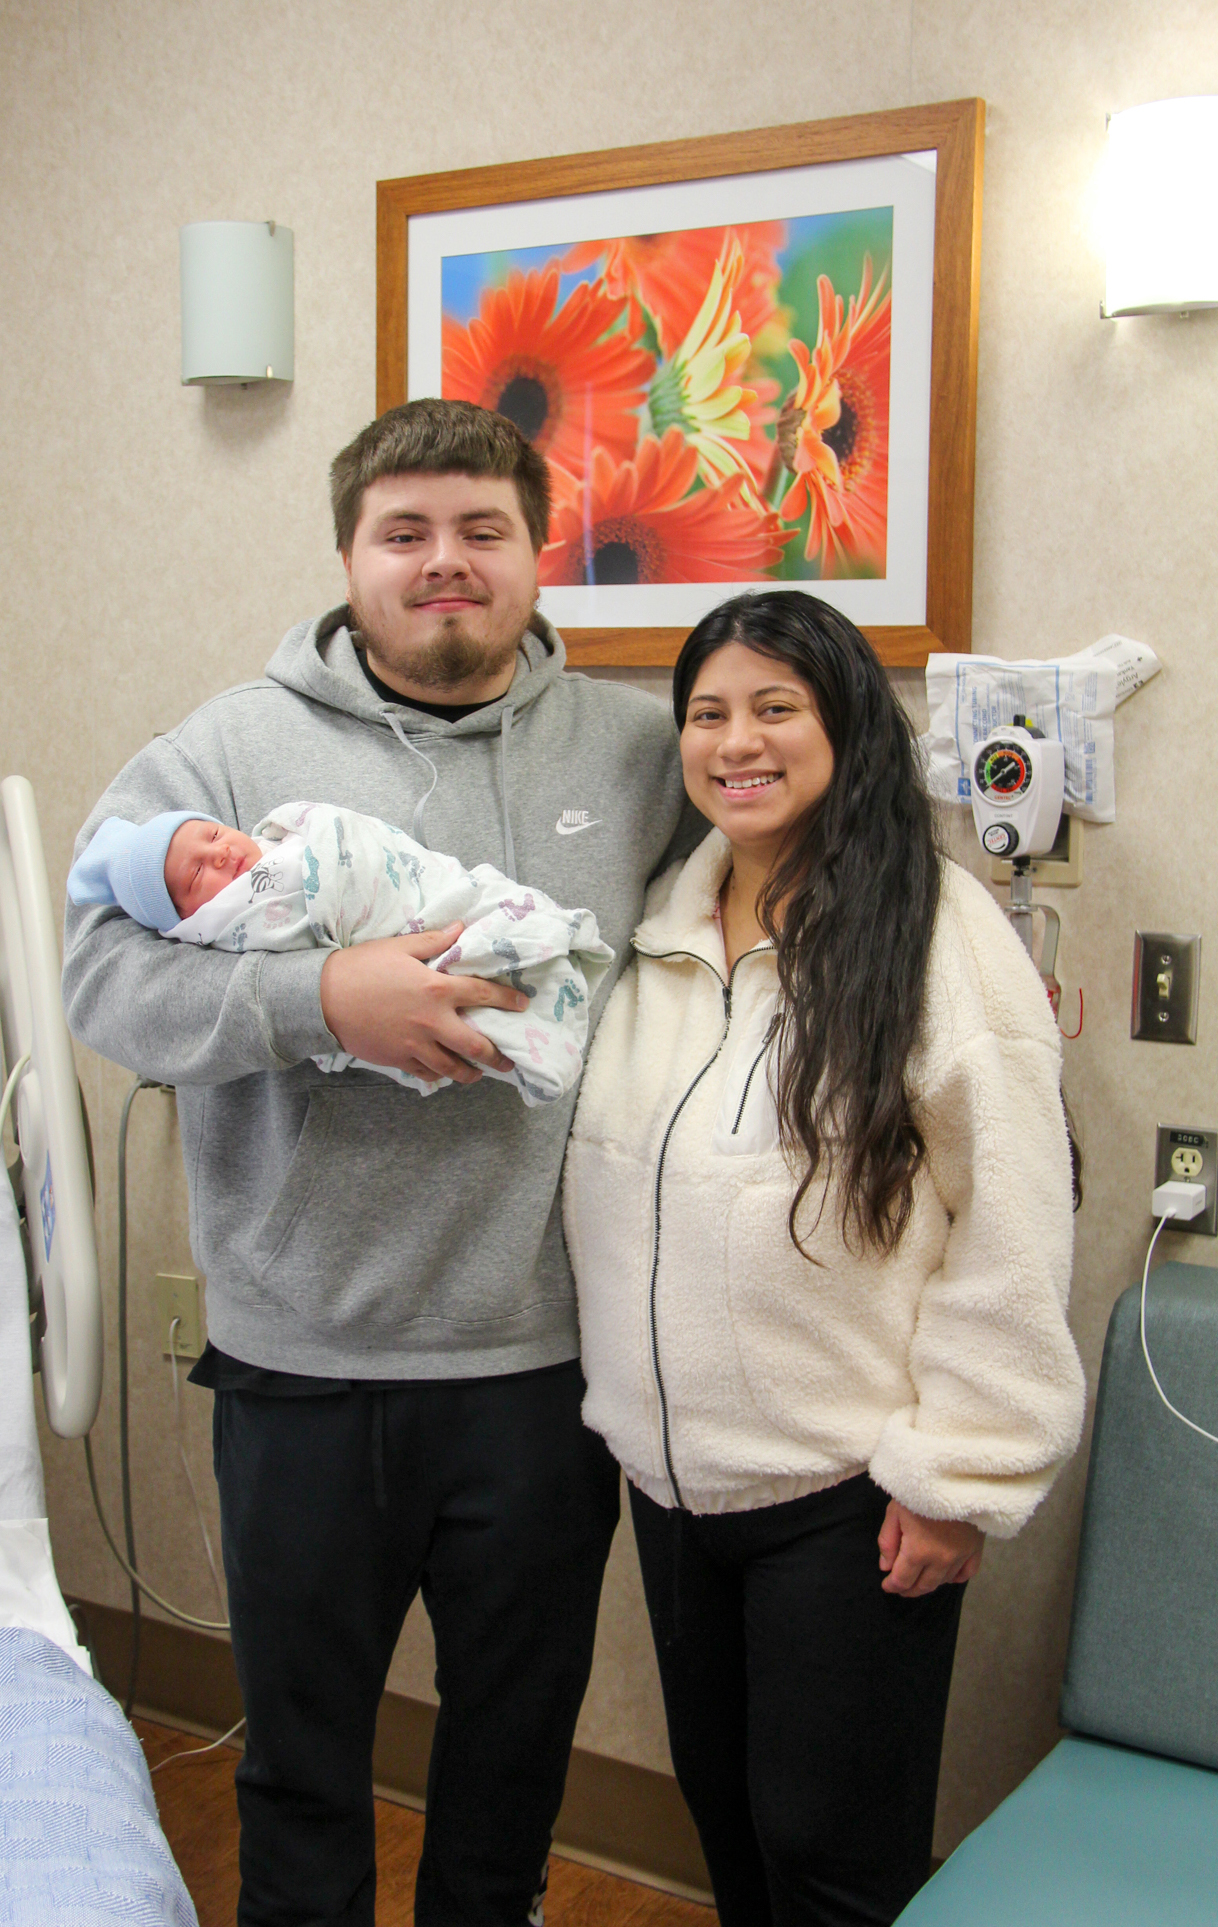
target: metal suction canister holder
1020 912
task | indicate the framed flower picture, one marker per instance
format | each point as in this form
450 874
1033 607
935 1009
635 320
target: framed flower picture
747 360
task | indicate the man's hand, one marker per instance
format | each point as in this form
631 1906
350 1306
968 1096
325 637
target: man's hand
383 1004
920 1554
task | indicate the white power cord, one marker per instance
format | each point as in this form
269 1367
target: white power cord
187 1619
14 1078
138 1583
190 1478
193 1752
1171 1202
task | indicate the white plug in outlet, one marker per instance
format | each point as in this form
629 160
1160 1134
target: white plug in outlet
177 1297
1177 1200
1187 1156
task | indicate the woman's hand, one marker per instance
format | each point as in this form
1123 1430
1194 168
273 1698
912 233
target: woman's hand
920 1554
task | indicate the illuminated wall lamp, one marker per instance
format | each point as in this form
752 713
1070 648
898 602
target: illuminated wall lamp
1161 207
237 302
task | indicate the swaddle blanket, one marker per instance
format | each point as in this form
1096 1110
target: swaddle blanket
333 877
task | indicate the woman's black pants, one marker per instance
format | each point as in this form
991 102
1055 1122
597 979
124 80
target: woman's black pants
805 1705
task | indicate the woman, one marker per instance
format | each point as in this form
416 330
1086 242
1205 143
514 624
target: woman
818 1201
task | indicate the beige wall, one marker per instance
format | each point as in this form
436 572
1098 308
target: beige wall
157 541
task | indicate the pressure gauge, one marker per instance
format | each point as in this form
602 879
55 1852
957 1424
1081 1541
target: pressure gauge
1005 770
1018 780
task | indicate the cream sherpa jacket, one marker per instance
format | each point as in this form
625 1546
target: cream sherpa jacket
725 1370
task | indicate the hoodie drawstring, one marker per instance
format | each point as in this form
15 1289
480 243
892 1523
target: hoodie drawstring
509 847
416 826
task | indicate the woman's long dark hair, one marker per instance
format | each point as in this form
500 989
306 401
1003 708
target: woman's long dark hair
850 907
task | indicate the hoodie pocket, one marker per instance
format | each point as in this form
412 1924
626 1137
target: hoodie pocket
306 1163
387 1212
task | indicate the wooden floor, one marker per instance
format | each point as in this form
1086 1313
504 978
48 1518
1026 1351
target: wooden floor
198 1809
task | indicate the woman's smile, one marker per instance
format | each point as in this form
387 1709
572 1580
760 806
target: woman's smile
746 785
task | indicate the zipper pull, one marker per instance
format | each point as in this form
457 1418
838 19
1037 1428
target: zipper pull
727 1003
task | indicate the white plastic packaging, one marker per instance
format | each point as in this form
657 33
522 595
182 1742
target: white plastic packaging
1071 699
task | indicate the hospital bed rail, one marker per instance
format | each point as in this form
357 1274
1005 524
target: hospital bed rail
53 1177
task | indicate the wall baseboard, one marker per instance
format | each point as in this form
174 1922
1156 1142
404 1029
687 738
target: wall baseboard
625 1819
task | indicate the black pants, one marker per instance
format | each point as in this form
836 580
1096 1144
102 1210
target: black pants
491 1496
805 1706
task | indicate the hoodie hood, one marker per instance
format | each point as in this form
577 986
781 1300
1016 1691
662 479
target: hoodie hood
318 659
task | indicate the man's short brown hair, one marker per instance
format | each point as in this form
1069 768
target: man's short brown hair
435 437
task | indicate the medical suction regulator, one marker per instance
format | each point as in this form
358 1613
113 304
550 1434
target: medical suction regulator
1019 778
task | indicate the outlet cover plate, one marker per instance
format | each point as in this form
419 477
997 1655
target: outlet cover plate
1166 987
1183 1142
177 1296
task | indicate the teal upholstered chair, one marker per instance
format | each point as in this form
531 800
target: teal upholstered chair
1118 1827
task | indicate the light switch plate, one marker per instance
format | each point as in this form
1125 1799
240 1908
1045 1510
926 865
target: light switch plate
1166 987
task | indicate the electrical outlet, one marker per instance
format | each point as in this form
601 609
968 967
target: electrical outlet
178 1297
1191 1156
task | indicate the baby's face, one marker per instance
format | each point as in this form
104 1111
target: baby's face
203 858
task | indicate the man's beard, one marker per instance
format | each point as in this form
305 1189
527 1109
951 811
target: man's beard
452 658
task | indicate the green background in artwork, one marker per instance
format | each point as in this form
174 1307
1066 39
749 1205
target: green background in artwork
835 245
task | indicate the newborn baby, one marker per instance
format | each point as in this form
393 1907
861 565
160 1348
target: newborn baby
316 875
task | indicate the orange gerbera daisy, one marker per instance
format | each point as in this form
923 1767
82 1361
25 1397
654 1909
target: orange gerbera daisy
637 522
565 381
670 273
833 432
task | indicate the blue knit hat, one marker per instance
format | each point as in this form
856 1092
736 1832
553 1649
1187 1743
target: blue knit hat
125 864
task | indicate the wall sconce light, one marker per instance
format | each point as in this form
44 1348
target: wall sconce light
1161 207
237 302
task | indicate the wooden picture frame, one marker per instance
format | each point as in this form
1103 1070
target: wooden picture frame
953 129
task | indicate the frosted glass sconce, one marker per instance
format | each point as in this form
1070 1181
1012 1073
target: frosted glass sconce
1161 207
237 302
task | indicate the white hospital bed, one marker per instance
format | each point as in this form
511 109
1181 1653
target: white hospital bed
80 1842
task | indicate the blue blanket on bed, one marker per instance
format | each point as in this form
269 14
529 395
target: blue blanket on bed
80 1842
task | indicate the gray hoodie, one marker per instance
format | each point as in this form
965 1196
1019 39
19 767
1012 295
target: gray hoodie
347 1227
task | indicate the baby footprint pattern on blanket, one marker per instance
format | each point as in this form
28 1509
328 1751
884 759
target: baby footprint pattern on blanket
505 948
517 911
569 998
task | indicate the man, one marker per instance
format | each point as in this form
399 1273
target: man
394 1351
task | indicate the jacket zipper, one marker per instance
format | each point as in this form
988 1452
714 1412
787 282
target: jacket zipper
726 988
744 1095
